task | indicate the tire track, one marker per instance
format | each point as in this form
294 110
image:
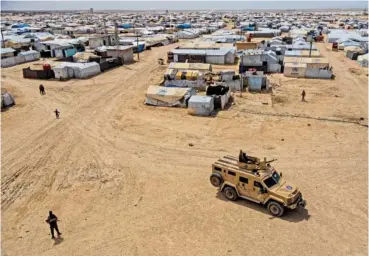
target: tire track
327 119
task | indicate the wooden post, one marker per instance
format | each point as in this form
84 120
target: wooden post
138 54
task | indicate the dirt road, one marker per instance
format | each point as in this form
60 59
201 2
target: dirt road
123 179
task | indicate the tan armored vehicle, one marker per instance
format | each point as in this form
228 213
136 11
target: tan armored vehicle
249 178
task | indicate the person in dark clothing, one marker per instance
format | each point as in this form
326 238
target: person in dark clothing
303 94
57 113
42 89
52 221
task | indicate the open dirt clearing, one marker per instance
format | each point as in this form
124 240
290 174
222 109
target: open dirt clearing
124 181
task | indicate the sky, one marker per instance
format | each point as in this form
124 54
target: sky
176 5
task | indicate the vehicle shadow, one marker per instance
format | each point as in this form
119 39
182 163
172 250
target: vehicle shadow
297 215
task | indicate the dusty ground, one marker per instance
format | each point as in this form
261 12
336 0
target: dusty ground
123 179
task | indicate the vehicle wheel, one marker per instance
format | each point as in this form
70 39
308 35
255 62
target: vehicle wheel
230 193
275 209
216 180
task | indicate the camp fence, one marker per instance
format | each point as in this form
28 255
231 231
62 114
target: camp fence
38 74
112 63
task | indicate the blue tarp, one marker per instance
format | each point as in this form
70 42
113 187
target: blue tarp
141 47
20 25
126 25
70 52
185 25
248 29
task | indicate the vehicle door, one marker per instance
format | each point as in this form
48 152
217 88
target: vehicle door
230 176
243 186
256 191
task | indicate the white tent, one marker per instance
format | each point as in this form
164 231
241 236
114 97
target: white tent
76 70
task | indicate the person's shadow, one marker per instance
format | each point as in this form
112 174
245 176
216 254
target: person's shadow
58 240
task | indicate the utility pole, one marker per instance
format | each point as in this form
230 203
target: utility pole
117 41
116 35
310 39
138 54
137 51
2 39
105 31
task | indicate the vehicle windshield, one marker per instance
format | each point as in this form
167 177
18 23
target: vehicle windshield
271 181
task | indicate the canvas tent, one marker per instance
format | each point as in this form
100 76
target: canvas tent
168 96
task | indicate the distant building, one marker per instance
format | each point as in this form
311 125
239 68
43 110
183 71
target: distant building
91 10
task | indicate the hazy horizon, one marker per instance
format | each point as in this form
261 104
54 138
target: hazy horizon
177 5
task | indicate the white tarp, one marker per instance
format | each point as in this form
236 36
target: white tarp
7 100
201 105
76 70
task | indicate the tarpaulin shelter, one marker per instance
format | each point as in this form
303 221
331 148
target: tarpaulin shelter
168 96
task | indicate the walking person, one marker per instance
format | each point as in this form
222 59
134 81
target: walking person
57 113
42 89
303 94
52 221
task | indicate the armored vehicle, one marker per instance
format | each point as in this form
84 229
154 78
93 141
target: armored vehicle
249 178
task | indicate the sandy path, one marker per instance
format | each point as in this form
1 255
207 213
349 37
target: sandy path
124 181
